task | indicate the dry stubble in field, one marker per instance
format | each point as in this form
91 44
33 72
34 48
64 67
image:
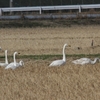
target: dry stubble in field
30 41
37 81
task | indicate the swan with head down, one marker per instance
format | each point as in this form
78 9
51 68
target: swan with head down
6 60
14 64
62 61
83 61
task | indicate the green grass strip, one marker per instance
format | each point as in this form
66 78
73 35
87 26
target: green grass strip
49 57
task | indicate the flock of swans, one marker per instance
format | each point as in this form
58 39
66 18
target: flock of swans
80 61
14 64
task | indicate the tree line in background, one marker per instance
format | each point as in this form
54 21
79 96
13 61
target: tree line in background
25 3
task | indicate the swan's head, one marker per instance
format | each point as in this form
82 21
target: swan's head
5 51
21 63
67 45
15 52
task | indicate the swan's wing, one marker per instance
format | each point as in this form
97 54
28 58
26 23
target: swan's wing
84 59
11 65
18 65
81 61
85 62
77 62
57 63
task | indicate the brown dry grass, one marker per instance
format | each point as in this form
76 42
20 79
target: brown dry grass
37 81
46 40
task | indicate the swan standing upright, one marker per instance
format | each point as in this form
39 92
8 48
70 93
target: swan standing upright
14 65
6 60
83 61
62 61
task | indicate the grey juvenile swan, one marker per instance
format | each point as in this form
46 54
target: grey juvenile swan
83 61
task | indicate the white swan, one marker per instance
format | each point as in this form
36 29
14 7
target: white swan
6 60
83 61
14 65
62 61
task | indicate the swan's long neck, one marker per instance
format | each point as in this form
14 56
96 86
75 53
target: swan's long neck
14 59
64 56
93 62
6 59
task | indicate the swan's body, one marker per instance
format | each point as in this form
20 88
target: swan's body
62 61
58 63
6 60
83 61
14 65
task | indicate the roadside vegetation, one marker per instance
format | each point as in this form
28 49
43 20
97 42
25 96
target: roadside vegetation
48 23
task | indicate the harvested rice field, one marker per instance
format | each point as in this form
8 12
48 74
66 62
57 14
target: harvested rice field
36 80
